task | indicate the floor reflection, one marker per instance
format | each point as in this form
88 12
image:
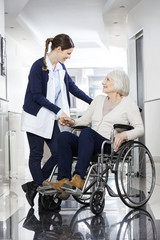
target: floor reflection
136 224
73 222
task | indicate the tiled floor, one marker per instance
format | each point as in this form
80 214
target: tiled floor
20 222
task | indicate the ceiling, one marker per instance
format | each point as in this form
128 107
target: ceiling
90 23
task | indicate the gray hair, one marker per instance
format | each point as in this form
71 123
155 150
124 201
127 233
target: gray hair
121 81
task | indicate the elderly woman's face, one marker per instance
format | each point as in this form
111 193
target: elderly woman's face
108 85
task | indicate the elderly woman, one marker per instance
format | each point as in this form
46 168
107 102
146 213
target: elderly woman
114 106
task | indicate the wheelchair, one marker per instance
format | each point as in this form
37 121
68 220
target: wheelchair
132 168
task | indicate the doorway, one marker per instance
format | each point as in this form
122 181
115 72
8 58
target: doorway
140 77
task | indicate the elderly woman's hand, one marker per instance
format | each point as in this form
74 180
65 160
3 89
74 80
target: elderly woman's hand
119 139
68 121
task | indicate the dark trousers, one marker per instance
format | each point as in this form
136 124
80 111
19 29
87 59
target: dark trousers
36 145
84 146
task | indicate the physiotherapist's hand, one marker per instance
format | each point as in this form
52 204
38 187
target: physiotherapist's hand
119 139
61 119
68 121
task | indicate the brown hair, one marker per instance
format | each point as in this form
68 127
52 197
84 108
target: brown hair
62 40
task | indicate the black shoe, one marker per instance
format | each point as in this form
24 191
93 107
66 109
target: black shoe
31 222
30 189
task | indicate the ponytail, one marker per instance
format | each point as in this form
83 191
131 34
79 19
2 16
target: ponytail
45 53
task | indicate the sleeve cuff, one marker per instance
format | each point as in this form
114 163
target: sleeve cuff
59 113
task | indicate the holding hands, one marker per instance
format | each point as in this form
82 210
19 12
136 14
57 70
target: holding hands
64 120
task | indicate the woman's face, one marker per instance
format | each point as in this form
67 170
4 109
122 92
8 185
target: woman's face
63 55
108 85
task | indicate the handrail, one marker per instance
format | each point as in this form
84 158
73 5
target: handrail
3 99
153 100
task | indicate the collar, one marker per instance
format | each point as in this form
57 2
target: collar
50 66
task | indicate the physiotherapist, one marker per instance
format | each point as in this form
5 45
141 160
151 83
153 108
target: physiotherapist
46 99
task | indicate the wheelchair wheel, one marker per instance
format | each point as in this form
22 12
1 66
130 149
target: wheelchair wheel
50 202
135 174
97 202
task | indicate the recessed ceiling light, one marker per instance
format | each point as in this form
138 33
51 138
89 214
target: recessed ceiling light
115 22
117 35
122 6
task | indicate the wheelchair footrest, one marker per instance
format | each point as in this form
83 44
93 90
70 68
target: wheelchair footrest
47 190
50 192
43 188
71 189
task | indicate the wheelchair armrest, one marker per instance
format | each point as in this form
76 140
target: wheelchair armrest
79 127
123 127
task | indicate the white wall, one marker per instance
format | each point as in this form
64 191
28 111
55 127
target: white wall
2 17
2 79
19 60
152 115
146 16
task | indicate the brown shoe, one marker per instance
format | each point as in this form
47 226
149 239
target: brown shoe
56 185
77 181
